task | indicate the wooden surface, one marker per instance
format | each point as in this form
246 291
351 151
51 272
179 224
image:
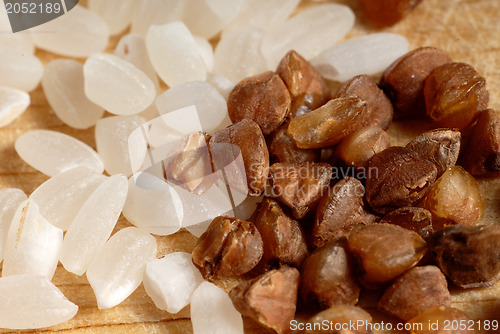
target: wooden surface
468 29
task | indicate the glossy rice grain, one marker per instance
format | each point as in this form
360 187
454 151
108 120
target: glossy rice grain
63 85
53 152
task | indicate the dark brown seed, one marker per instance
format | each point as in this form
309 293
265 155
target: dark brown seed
403 81
356 149
384 13
481 153
307 87
283 239
229 247
339 211
263 98
270 299
282 147
439 146
379 106
468 255
454 94
338 316
385 251
440 321
455 198
189 163
300 185
418 290
327 277
247 136
411 218
397 177
329 124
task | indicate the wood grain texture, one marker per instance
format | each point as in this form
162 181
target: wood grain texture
468 29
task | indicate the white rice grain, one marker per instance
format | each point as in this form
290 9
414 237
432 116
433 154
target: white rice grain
116 85
13 102
370 54
118 268
53 152
62 84
30 302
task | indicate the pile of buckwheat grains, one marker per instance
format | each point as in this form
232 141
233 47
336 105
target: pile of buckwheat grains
342 218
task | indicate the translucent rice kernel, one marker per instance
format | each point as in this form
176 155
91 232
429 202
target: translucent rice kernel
30 302
93 224
118 267
19 69
33 244
13 103
122 150
210 105
156 12
10 200
116 13
132 48
62 84
117 85
61 197
309 33
222 84
175 54
77 33
212 311
263 14
238 55
206 51
370 54
53 152
153 205
208 17
171 280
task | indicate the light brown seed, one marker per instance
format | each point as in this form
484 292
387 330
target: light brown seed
440 320
329 124
379 106
356 149
284 241
481 152
282 148
454 94
403 81
264 98
384 252
439 146
468 255
269 299
339 211
416 291
384 13
398 177
300 185
338 316
456 198
247 136
229 247
411 218
308 89
327 277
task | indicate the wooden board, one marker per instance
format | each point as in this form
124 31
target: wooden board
468 29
